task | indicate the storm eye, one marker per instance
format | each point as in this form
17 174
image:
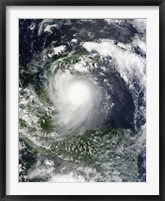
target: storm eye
78 93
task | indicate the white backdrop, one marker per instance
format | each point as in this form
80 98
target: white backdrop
151 187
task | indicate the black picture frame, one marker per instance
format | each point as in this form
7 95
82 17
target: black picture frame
3 146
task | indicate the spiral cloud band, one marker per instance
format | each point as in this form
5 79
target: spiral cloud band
78 101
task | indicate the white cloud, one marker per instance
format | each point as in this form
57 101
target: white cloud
139 24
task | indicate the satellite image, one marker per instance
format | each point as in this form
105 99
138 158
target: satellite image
82 100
